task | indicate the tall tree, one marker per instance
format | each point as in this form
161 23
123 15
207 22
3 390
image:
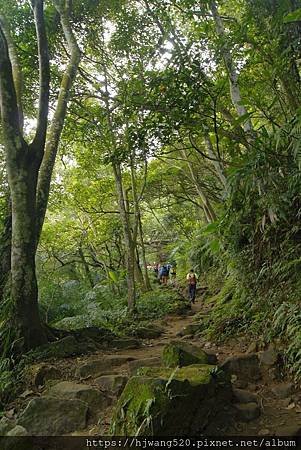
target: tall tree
30 164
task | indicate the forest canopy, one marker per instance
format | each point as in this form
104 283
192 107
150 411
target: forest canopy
136 132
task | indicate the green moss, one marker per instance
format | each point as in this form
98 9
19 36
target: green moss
194 374
181 354
166 401
142 401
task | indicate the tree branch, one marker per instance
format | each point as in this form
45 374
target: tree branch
57 123
12 133
16 68
44 77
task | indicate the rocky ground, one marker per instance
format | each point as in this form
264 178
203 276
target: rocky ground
78 395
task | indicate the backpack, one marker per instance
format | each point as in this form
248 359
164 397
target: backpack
164 272
192 279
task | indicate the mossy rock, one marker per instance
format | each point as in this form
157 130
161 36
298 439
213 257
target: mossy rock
148 332
64 348
165 401
179 353
99 335
195 374
50 416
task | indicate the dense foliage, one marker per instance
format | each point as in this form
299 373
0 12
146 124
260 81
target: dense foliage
181 144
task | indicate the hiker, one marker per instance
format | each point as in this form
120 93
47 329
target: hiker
163 274
192 281
173 273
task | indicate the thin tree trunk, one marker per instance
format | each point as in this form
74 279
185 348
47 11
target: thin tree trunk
128 241
143 257
217 165
233 75
210 215
86 267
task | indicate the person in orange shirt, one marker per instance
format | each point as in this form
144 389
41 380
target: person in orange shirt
192 282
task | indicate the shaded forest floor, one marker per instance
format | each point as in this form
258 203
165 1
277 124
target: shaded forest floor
278 399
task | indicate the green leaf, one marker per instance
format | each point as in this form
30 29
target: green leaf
294 16
113 276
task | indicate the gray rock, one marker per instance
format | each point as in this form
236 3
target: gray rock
96 400
17 431
268 357
68 346
190 329
283 390
6 425
247 411
49 416
103 366
243 396
264 432
38 374
113 384
245 367
146 362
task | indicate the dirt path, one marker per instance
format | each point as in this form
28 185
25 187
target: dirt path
278 416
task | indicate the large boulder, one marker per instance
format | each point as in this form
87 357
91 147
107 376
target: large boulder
50 416
96 400
245 367
166 401
99 335
179 353
103 366
64 348
112 384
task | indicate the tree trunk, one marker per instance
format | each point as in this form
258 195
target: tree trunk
86 267
5 250
209 212
233 75
24 291
217 165
23 162
146 277
128 241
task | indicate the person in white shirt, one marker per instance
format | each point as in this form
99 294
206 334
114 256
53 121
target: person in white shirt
192 281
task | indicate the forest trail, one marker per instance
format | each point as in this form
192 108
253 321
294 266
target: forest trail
272 408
